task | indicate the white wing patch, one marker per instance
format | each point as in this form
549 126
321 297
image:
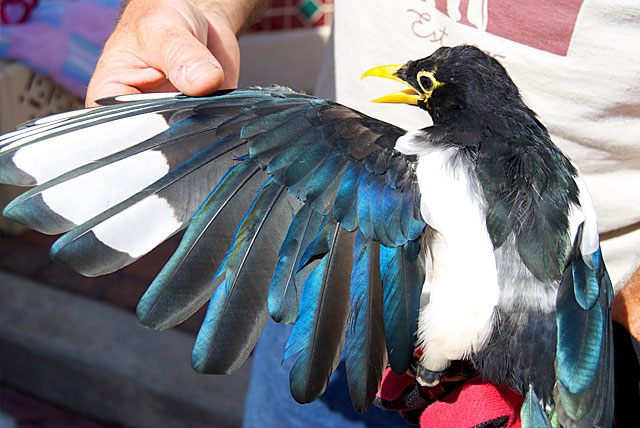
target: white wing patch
87 195
56 155
464 279
140 228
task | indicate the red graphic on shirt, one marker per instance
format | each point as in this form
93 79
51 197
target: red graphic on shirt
544 24
421 28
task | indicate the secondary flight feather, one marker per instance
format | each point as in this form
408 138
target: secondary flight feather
317 215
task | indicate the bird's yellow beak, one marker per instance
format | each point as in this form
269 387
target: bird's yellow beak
406 96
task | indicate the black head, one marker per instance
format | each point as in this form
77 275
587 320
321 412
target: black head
453 81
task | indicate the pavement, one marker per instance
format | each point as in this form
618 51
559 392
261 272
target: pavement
73 354
27 255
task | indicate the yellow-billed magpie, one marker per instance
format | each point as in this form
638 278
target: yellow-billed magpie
337 223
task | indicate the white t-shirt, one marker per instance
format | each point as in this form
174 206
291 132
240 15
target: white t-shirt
577 64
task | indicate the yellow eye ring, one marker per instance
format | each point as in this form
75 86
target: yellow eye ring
427 81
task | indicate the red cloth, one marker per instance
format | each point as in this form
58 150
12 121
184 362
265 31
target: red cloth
471 404
392 385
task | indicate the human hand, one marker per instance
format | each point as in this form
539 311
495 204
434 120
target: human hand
169 45
626 306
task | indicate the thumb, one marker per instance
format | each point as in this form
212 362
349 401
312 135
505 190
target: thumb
190 66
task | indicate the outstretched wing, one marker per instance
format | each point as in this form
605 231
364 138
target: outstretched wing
325 214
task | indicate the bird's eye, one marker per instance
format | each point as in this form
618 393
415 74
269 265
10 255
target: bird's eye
426 83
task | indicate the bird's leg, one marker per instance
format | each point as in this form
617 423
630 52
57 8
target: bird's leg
458 371
423 375
426 377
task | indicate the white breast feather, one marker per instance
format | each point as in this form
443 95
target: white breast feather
464 289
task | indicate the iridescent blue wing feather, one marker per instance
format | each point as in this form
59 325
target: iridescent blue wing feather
343 179
318 334
403 274
365 352
532 415
584 358
345 209
286 285
238 309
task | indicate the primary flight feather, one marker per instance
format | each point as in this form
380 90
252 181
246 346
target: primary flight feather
341 222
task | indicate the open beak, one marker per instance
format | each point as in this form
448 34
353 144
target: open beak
406 96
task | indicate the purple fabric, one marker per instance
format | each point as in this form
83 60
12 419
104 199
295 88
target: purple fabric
62 39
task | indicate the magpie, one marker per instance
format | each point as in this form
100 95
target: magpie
306 211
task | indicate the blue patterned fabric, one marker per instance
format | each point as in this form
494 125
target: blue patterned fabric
269 402
62 39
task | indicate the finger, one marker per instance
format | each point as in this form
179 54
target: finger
189 65
224 45
114 88
118 73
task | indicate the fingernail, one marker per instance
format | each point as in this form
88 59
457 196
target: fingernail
194 70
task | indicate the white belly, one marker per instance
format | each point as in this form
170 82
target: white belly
463 289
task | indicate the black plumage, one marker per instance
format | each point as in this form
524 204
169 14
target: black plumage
526 180
529 195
